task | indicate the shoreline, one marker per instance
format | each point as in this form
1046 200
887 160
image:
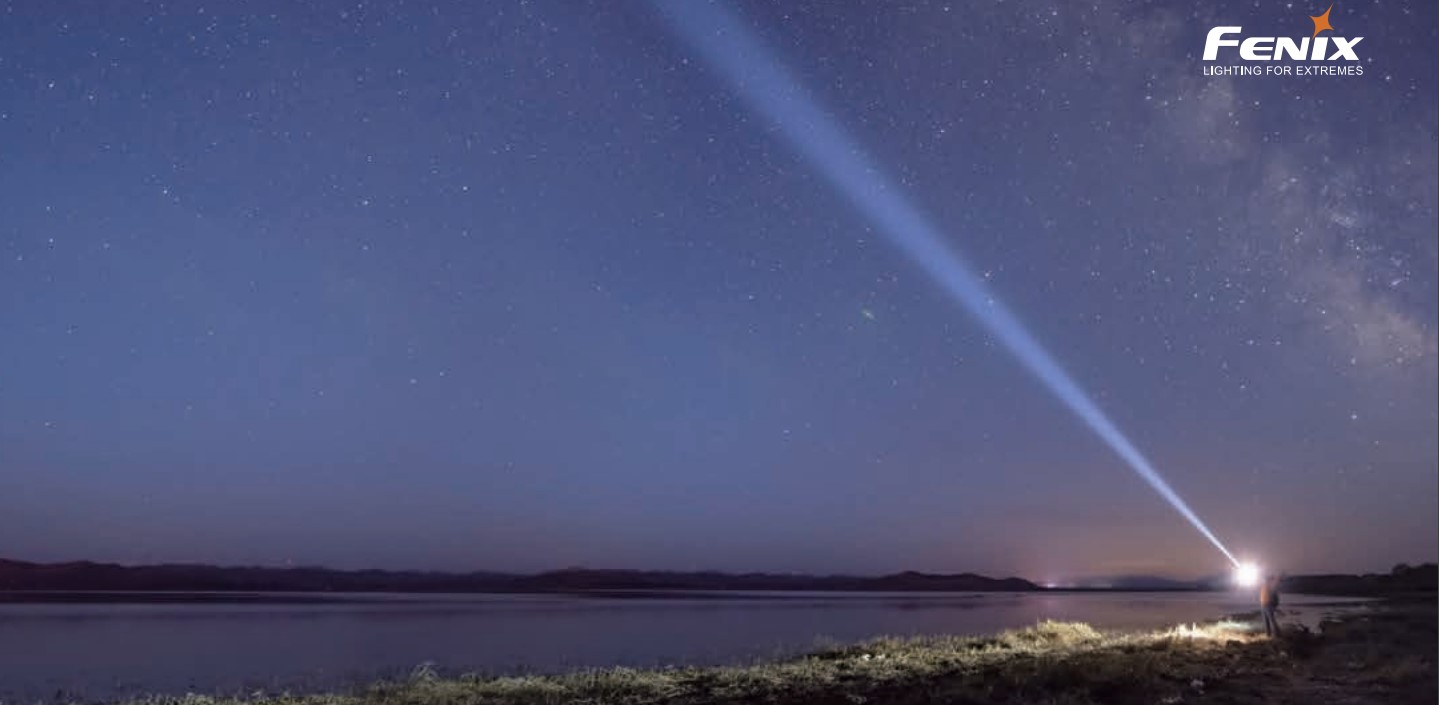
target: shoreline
1380 652
109 597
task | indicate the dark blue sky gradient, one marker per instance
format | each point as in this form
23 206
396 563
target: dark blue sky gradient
524 285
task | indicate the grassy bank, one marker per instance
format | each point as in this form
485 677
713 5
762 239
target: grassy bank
1386 655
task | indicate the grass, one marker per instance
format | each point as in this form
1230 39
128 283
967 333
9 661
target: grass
1386 656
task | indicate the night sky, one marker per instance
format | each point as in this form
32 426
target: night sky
521 286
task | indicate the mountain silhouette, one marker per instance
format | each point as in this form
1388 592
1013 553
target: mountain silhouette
108 577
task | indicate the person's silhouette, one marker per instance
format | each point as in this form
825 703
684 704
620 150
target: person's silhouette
1269 604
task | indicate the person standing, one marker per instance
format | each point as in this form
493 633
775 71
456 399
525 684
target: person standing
1269 604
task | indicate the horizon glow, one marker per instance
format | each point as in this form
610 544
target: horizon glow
757 76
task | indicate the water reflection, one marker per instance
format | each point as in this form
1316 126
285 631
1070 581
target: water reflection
276 642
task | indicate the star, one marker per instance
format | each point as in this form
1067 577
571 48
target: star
1321 23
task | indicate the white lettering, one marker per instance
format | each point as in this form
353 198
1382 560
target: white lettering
1249 50
1344 47
1279 48
1216 39
1296 51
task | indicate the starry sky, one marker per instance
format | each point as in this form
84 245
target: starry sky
526 285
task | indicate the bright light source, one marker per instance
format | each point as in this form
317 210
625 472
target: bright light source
1246 575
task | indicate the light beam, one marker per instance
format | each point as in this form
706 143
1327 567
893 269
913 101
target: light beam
753 72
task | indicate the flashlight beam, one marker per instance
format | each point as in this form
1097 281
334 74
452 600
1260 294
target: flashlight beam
762 81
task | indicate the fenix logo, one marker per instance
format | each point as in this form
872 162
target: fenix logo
1311 48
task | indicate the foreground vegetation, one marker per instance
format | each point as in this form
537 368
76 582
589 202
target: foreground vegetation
1386 655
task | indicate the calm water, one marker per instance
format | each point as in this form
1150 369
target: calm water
108 651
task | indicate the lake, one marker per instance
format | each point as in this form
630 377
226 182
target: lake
114 650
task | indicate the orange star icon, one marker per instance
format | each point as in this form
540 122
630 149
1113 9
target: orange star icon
1321 23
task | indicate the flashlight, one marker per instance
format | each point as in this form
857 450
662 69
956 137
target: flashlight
1246 575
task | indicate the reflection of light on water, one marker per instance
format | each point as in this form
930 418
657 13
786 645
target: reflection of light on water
292 643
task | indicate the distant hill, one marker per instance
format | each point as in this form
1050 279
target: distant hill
1403 579
21 576
107 577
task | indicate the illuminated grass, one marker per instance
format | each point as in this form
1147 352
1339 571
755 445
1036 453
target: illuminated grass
1380 658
